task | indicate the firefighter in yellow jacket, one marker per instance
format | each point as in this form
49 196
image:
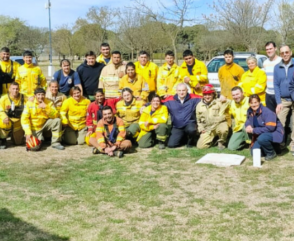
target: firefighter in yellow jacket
8 68
73 115
211 119
128 109
148 70
135 82
153 124
11 108
40 115
104 57
168 76
29 76
253 81
193 72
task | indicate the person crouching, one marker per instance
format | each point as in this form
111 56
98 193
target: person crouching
110 135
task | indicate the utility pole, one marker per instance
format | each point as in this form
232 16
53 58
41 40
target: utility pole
50 67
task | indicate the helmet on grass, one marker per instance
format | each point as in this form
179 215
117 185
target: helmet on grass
33 144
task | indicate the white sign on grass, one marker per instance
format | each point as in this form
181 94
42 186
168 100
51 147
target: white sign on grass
223 160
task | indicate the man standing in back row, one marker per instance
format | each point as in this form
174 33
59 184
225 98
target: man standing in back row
229 75
8 69
268 66
193 73
148 70
89 73
104 57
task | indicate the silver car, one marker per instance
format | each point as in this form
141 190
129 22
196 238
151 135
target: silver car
239 58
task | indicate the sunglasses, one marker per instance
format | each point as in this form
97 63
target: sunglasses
285 53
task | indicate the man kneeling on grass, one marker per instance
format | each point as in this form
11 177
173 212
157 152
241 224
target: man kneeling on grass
110 135
40 115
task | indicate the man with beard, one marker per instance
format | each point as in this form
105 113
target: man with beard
8 69
11 107
110 135
104 57
238 109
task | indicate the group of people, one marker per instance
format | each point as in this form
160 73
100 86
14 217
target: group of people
112 105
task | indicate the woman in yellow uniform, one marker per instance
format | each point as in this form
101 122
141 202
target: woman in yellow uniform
73 116
153 124
135 82
253 81
128 109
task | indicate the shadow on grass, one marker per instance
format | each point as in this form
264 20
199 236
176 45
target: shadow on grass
13 229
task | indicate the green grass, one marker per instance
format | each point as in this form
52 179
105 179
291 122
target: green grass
149 195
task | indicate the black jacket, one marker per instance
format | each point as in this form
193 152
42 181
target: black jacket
89 76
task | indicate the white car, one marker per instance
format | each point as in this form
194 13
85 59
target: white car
239 58
19 59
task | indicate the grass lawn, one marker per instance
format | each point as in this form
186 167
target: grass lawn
147 195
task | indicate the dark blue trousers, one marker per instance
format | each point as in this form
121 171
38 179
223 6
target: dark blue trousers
265 143
178 134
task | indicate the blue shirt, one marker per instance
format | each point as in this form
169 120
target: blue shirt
67 82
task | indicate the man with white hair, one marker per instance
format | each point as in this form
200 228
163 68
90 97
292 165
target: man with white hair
182 108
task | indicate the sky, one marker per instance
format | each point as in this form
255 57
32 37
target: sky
33 12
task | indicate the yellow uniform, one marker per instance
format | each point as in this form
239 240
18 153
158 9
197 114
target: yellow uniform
199 75
6 68
229 76
129 114
30 77
33 117
254 83
139 86
158 117
149 73
14 122
100 59
109 80
167 79
74 113
239 112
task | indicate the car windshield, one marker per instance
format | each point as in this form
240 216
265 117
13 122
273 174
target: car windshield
215 64
19 61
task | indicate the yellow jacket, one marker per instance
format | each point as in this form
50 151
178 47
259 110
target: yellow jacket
254 83
158 117
100 59
167 80
30 77
109 80
74 113
33 118
239 112
209 116
139 87
129 114
149 73
199 75
5 105
6 68
229 76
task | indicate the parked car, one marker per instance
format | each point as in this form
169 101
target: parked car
239 58
19 59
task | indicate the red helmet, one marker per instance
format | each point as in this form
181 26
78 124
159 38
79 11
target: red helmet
208 89
33 144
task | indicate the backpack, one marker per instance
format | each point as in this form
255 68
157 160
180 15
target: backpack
111 136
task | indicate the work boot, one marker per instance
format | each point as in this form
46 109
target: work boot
161 145
119 154
3 144
190 143
270 157
129 135
58 146
95 151
220 146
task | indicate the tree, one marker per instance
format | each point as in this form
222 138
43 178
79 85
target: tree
172 18
243 19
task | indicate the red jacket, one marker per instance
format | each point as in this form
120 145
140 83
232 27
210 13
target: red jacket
93 112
